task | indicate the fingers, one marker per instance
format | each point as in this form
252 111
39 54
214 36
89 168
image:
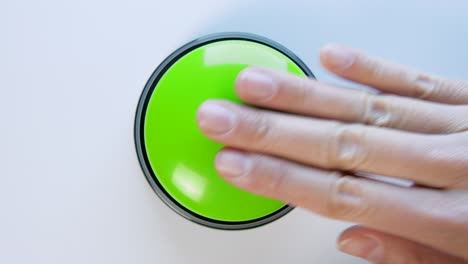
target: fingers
381 248
326 144
359 67
294 94
426 216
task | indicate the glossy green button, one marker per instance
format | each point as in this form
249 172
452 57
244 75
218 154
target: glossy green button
177 158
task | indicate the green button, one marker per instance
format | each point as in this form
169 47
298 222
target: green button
177 158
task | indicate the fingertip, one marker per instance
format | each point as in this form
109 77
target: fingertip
243 76
337 58
355 230
214 118
356 241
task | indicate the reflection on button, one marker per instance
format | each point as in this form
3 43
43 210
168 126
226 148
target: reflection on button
247 53
189 182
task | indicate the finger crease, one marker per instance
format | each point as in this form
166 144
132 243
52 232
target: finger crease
376 111
346 199
347 149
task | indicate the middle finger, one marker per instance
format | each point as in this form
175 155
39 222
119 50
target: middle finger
331 145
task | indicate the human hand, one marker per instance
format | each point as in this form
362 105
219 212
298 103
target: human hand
311 153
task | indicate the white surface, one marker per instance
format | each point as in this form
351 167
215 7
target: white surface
71 189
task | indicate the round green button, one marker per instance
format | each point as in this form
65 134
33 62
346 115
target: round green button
177 158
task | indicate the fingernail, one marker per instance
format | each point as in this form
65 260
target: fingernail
339 57
258 85
213 118
232 164
364 247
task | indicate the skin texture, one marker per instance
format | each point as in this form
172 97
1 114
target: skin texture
309 143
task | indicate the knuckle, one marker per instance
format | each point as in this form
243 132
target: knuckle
347 148
426 87
377 110
260 131
346 199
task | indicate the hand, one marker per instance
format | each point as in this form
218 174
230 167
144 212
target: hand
313 151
